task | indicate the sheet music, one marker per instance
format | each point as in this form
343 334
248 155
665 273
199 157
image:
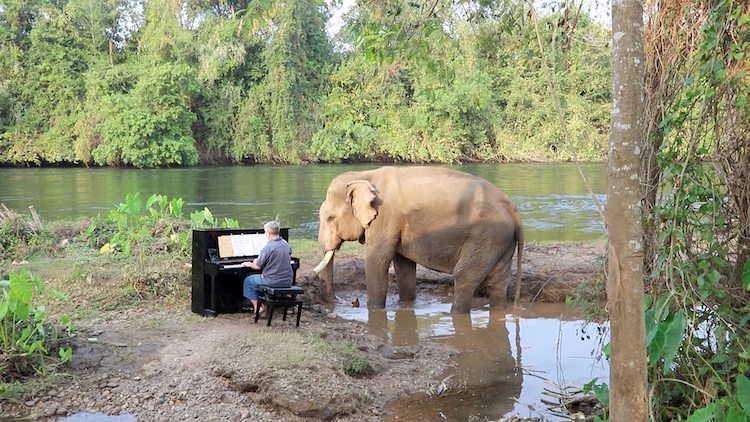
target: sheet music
248 244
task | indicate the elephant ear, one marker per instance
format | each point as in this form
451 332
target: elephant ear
361 194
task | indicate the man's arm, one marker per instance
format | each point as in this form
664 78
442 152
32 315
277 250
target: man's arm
252 264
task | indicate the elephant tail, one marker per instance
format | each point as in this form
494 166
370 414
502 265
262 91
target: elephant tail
519 245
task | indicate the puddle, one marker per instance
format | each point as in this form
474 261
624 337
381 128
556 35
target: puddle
95 417
505 361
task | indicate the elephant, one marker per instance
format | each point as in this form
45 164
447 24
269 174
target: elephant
443 219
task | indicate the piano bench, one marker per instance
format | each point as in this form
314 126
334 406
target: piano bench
279 296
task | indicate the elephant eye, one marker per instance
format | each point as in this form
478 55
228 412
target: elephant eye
330 218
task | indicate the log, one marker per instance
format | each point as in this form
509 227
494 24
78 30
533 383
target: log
36 218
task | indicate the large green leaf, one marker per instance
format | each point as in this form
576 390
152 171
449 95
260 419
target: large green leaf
673 336
743 392
705 414
736 415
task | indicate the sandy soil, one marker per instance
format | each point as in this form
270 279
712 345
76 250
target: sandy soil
163 363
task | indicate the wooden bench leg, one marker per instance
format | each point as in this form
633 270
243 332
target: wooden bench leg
270 313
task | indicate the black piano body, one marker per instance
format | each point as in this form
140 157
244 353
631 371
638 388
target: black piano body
216 288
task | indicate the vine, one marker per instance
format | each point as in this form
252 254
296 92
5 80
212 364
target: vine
697 315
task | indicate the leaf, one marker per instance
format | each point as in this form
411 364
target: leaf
21 287
735 415
703 415
746 274
656 346
743 392
151 199
673 337
602 393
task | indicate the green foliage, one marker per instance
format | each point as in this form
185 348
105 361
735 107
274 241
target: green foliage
204 218
664 333
150 124
27 341
158 224
19 236
134 227
696 328
601 391
469 97
214 82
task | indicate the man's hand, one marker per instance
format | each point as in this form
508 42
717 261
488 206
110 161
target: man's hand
250 264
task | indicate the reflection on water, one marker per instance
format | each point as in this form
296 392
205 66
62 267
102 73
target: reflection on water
505 361
552 198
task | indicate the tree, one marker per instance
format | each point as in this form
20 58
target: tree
628 394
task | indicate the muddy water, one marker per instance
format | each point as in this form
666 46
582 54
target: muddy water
505 360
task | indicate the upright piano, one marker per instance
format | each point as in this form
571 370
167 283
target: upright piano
217 273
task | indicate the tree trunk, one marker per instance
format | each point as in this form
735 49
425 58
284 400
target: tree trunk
628 378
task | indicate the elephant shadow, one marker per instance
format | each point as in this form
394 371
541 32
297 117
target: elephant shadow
485 378
405 326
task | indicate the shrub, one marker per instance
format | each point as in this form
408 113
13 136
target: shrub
29 344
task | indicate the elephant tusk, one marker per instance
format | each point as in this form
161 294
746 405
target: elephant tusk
326 259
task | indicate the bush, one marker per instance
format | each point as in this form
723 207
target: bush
18 235
28 343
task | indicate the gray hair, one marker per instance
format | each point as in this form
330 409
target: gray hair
271 227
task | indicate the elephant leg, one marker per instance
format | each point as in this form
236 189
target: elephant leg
466 279
376 277
406 277
498 278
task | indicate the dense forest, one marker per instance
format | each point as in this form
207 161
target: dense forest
147 83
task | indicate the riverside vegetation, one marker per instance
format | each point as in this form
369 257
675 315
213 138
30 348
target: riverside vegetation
181 83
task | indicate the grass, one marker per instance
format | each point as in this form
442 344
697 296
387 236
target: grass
295 349
33 387
309 350
307 250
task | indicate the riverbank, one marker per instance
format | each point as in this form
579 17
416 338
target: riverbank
153 359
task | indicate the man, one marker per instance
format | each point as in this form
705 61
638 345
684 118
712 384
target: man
274 261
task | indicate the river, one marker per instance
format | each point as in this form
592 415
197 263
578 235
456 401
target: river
554 200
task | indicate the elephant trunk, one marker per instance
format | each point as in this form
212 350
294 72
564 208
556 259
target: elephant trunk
324 270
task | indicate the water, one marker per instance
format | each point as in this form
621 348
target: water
506 361
553 199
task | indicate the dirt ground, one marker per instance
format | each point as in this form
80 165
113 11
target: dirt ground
164 363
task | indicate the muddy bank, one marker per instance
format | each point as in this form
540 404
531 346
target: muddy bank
550 273
160 362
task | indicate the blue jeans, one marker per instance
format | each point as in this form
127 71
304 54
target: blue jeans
250 286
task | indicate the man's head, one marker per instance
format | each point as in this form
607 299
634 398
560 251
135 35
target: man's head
271 228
